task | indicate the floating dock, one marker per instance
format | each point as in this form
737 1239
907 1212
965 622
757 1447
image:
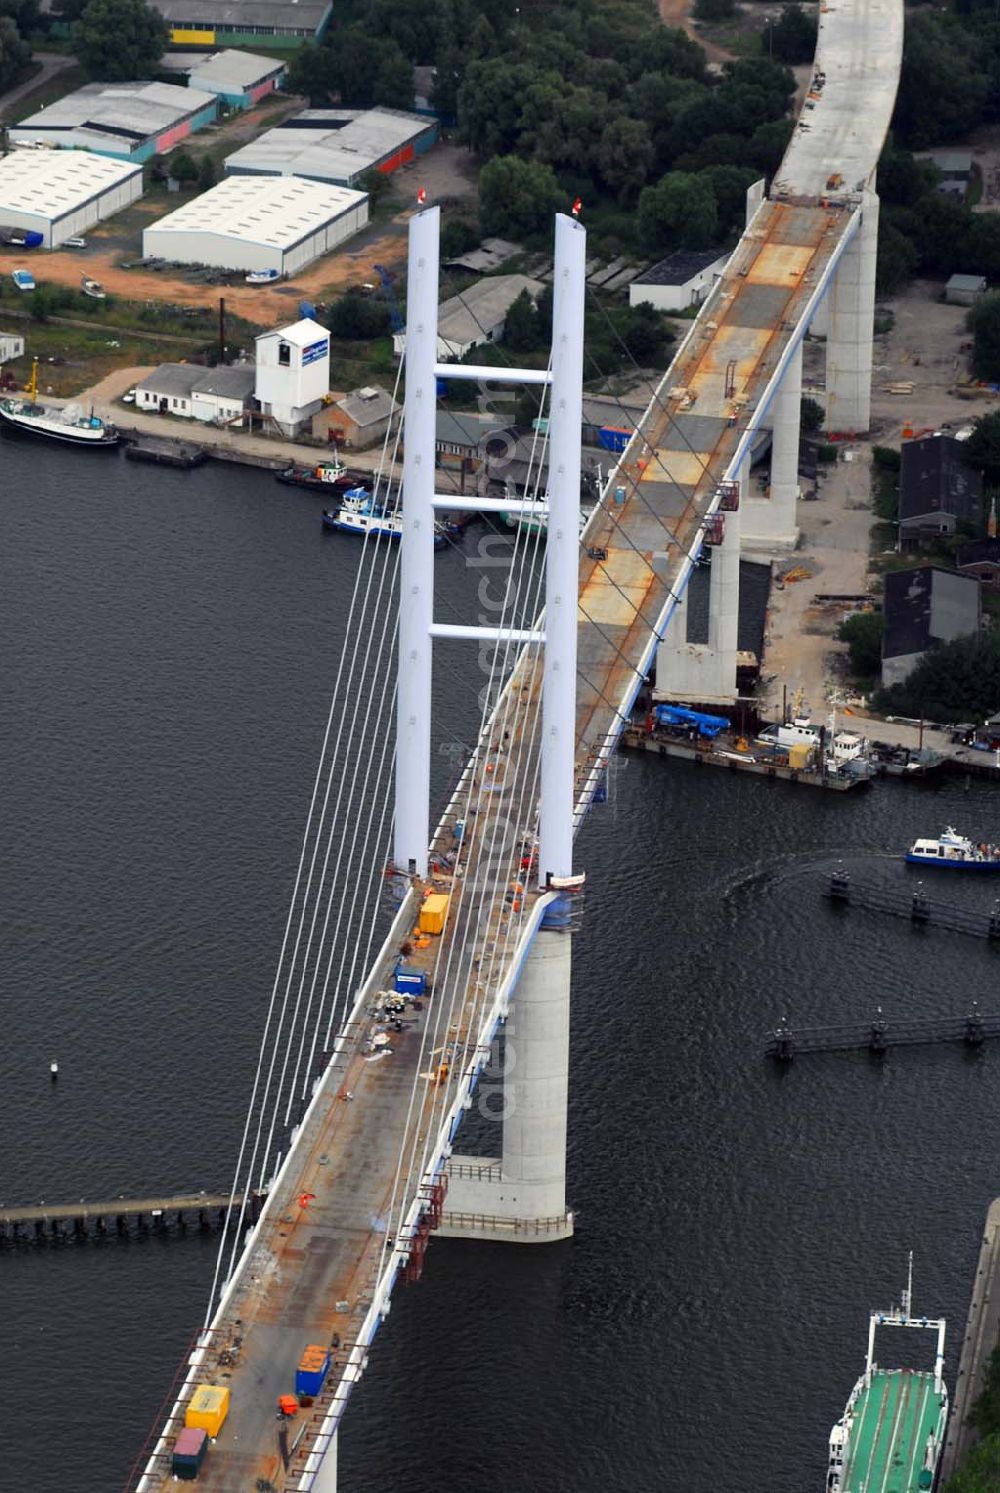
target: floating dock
164 453
982 1336
705 753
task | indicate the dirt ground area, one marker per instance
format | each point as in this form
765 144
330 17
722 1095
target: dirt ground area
447 173
924 348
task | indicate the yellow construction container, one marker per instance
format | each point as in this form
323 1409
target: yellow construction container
208 1409
433 913
798 755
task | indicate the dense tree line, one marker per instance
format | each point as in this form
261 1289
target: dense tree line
583 98
958 681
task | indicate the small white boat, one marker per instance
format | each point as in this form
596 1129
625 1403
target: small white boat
93 288
955 852
23 279
262 277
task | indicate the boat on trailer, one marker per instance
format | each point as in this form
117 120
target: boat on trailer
955 852
891 1433
262 277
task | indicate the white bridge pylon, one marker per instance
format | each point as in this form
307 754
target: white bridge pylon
417 628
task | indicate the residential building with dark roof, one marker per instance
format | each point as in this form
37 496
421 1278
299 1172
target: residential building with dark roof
938 492
924 606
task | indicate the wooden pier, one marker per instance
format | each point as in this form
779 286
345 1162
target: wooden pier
879 1035
916 907
122 1217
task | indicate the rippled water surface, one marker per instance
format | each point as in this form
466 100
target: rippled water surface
169 643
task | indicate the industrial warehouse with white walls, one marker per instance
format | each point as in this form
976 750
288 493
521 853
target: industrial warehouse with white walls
62 193
258 223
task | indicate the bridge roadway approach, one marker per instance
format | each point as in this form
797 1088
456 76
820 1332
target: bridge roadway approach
318 1264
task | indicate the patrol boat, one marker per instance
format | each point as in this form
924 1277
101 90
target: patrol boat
891 1434
955 852
25 416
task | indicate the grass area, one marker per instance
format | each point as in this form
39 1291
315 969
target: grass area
82 357
46 93
117 314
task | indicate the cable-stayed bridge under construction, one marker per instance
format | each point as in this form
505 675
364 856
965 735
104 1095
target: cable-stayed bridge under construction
361 1088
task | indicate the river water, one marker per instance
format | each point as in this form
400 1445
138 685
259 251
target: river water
169 642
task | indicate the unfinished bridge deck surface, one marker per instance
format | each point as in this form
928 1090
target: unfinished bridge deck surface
310 1258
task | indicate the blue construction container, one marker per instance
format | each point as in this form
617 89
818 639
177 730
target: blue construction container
411 982
312 1370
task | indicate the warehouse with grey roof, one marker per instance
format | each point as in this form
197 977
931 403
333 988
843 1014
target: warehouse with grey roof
60 194
336 145
244 23
132 121
254 223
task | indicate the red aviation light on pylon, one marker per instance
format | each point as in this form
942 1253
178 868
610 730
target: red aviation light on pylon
577 205
422 197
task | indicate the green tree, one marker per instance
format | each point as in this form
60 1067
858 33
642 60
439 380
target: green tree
182 167
862 633
729 187
984 323
458 236
625 156
313 73
957 681
985 1413
358 57
982 450
943 87
897 258
678 213
206 173
517 197
490 101
979 1471
714 10
522 327
811 415
768 144
394 80
26 15
120 39
358 318
793 37
646 335
14 52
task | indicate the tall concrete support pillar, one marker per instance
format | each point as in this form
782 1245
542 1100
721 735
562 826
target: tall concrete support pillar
769 523
520 1196
724 602
705 673
536 1080
851 312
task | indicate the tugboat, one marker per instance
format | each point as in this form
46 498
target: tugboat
322 476
892 1432
25 416
955 852
360 514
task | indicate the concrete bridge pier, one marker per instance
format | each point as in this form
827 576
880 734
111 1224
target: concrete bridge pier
851 324
520 1197
769 523
705 673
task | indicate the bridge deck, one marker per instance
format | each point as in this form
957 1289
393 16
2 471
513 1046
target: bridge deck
315 1263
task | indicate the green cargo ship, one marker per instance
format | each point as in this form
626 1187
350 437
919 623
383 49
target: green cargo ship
890 1437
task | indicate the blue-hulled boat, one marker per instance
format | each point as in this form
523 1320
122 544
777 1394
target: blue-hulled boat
954 852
